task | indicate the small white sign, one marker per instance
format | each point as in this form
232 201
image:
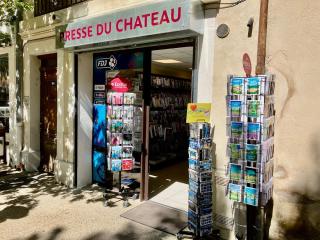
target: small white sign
99 87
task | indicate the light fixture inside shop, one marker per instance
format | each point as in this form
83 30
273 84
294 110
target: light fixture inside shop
167 61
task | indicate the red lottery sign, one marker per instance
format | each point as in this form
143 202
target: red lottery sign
120 84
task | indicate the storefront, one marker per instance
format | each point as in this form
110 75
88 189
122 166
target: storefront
114 76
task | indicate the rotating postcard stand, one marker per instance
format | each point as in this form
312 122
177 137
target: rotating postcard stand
117 124
200 173
251 117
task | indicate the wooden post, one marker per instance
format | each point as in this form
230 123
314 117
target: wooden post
262 37
255 215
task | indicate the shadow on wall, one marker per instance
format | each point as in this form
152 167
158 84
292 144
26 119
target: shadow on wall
306 200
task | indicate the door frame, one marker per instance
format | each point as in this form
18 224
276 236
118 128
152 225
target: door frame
147 53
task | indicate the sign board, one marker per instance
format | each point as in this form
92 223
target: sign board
164 16
198 112
247 66
120 84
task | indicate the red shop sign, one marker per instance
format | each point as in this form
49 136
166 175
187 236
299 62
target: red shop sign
120 84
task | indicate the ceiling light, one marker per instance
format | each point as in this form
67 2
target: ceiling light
167 61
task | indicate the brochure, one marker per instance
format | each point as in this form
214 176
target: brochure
250 196
235 172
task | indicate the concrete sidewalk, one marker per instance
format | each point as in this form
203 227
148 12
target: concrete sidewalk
34 207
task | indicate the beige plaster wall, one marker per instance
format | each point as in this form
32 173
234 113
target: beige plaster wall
228 54
293 54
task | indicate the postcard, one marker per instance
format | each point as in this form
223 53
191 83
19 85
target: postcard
116 139
251 175
252 152
236 129
235 108
253 108
250 196
235 192
116 165
236 85
253 131
127 164
127 151
253 86
235 151
116 152
116 126
235 172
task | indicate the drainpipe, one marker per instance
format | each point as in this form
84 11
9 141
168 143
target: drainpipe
256 221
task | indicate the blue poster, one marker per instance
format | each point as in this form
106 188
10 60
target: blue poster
99 162
99 125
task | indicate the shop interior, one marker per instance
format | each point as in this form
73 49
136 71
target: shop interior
118 123
170 92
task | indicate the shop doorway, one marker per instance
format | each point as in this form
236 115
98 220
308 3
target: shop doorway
48 111
170 92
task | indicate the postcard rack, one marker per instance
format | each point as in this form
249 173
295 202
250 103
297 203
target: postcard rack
250 127
124 130
200 180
